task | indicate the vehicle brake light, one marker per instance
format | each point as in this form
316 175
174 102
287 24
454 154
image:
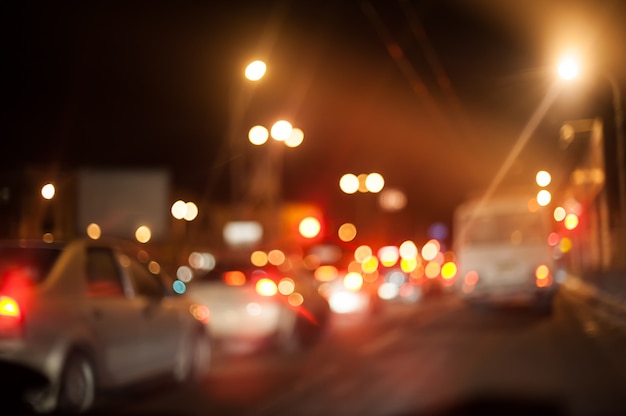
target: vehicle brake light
10 318
234 278
9 307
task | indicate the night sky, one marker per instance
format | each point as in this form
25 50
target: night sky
432 94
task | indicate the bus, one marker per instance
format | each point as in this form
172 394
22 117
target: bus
503 252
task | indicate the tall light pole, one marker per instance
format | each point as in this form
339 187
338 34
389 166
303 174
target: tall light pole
568 69
265 185
253 72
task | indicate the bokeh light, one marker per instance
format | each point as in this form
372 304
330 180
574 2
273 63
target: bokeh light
432 269
408 250
191 211
259 258
179 287
408 265
370 265
276 257
281 130
258 135
48 191
559 214
374 182
353 281
543 178
201 261
184 274
349 183
347 232
286 286
143 234
255 70
392 200
544 197
93 231
571 221
179 209
388 255
362 253
326 273
430 250
295 299
234 278
448 270
309 227
438 231
266 287
568 68
295 139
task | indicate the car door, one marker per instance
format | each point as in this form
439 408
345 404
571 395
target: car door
116 317
160 319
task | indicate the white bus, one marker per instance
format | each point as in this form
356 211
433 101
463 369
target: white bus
503 252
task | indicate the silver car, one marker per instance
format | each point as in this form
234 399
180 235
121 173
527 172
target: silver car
93 315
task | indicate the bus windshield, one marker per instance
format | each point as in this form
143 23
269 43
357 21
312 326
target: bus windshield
513 228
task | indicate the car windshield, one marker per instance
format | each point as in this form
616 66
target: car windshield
26 263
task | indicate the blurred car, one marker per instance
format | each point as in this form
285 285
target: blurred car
88 316
349 294
257 307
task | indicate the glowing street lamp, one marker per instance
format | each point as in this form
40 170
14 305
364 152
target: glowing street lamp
281 130
255 70
48 191
569 68
543 178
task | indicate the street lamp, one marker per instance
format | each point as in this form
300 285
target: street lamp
254 72
568 69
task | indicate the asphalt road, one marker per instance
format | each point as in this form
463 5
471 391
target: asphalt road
436 358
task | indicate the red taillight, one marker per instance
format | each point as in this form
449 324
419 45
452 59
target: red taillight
10 318
234 278
9 308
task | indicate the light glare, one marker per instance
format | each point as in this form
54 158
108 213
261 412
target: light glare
255 70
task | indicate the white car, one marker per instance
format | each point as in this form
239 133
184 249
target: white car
87 316
254 307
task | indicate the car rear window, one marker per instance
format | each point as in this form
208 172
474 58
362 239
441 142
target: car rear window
30 264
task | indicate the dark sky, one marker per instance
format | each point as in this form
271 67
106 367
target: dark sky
432 94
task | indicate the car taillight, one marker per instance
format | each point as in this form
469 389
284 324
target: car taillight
10 317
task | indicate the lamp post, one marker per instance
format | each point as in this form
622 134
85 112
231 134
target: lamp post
265 186
569 69
253 72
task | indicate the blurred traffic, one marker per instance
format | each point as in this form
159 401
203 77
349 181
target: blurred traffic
313 207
